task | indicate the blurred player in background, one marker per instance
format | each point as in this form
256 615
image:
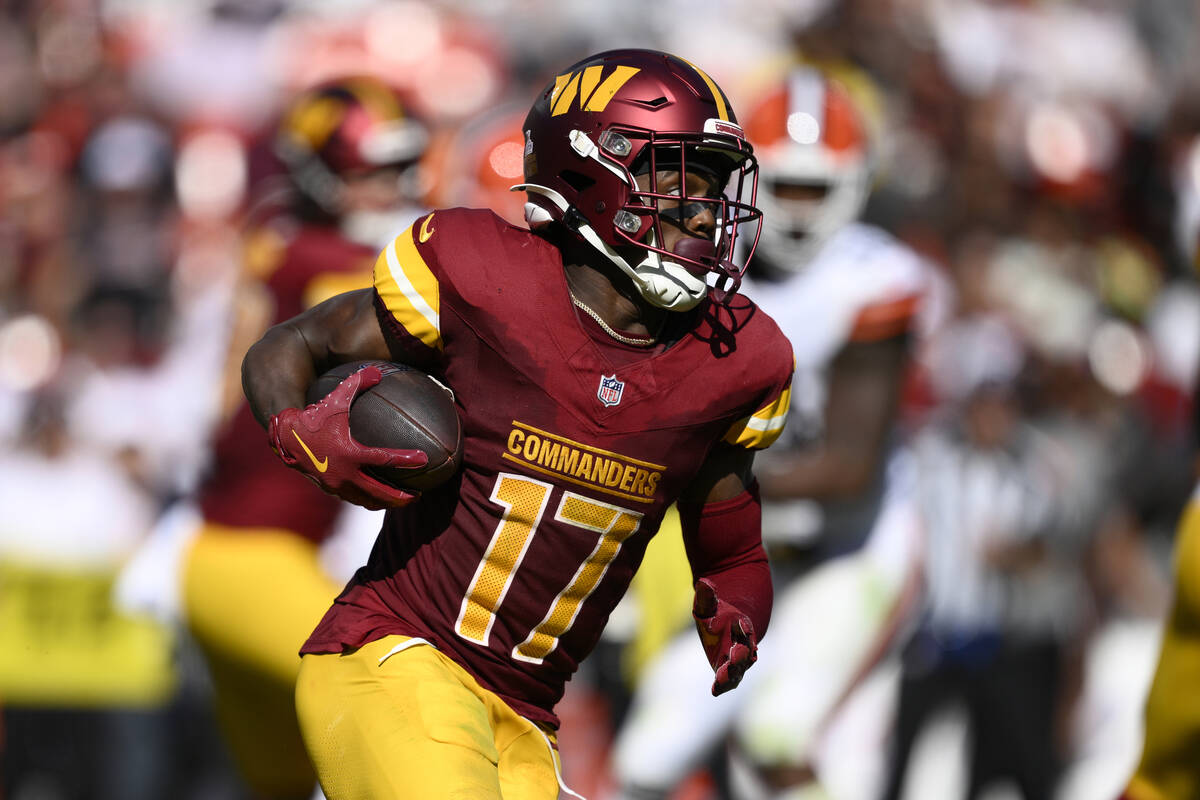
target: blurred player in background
839 531
1169 768
475 164
255 577
583 355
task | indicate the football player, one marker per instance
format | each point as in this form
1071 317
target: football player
840 533
600 378
1168 767
253 580
474 164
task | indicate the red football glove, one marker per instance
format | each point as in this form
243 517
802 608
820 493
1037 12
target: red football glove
317 442
727 635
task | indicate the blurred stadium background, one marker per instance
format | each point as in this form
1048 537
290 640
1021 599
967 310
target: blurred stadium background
1045 154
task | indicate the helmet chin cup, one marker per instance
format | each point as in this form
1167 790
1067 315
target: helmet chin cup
667 284
704 251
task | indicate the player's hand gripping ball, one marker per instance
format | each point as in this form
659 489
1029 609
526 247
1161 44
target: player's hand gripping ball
727 635
362 437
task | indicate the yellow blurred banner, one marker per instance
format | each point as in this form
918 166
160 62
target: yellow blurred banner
62 643
662 587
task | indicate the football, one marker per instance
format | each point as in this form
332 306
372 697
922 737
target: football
406 410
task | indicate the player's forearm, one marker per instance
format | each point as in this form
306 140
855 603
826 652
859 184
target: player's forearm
276 372
724 545
747 586
279 367
821 475
864 393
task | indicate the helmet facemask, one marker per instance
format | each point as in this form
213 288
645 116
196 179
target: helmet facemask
676 279
795 228
729 172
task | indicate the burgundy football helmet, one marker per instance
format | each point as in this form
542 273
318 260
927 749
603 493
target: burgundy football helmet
623 113
345 126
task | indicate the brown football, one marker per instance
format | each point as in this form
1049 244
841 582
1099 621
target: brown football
407 410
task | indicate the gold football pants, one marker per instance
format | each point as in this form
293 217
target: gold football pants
1170 763
396 718
252 596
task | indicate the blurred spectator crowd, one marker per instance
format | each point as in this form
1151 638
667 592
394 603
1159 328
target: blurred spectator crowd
1044 154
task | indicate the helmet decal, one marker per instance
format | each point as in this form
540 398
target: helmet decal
311 121
718 95
594 95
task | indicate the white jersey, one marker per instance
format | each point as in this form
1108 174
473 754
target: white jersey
828 626
863 285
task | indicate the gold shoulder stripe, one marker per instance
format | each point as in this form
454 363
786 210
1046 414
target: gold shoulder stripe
762 428
409 289
722 110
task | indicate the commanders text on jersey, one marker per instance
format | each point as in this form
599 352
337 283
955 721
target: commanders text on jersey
611 473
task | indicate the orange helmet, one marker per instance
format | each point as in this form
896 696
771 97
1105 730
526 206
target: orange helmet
483 159
813 158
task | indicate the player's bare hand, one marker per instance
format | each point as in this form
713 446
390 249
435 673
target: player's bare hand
316 441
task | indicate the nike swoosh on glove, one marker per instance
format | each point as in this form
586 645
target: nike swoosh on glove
316 441
727 635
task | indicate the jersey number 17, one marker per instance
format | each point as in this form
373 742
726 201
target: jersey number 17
524 501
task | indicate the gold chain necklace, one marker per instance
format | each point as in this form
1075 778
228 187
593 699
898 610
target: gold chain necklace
648 341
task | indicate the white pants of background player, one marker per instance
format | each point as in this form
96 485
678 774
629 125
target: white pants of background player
827 630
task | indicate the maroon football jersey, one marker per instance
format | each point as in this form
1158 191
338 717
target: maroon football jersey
248 486
573 452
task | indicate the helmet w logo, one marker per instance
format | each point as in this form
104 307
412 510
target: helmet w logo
593 93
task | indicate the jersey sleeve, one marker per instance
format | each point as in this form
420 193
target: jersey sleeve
885 319
760 429
302 266
408 295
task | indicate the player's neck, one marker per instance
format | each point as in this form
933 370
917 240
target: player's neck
622 311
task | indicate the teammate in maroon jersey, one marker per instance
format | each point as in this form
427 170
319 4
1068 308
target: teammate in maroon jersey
599 377
261 521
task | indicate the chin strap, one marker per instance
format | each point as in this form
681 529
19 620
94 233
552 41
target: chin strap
664 284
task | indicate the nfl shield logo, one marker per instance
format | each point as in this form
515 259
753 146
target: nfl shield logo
610 390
